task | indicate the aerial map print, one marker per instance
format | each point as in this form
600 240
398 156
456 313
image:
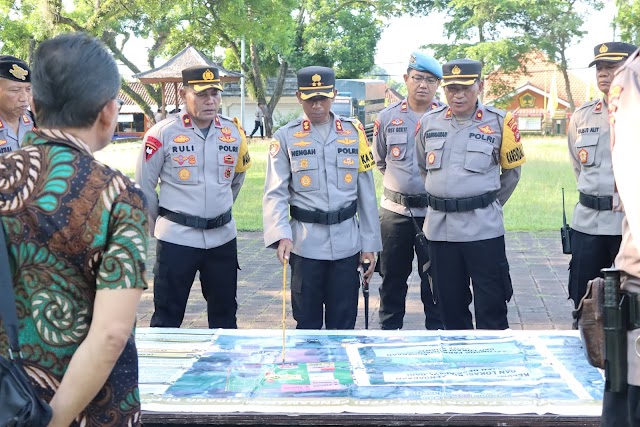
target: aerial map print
411 372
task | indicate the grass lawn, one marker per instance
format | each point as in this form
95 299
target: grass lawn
536 204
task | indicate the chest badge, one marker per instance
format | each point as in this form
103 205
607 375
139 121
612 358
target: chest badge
302 143
348 161
226 135
348 178
395 152
301 134
304 163
583 155
184 174
227 173
305 181
431 158
345 132
2 142
228 159
397 122
486 129
180 139
181 159
346 141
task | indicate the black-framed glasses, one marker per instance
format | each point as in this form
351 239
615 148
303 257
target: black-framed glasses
120 104
426 80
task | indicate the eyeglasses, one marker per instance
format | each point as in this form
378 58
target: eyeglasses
120 104
426 80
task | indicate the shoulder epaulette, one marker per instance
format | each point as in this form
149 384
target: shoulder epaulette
494 110
588 104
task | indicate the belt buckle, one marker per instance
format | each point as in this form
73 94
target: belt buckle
333 217
450 205
412 200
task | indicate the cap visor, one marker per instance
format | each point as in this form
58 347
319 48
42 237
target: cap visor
304 95
200 88
466 82
609 59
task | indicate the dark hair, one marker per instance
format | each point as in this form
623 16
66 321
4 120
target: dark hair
74 76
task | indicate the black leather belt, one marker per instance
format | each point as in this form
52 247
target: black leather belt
408 200
463 204
196 221
599 203
322 217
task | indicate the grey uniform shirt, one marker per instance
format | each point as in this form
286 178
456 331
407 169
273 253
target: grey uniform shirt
198 176
314 173
394 153
9 141
459 161
590 153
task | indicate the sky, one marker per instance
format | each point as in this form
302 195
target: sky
406 34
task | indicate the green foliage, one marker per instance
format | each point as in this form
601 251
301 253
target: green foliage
628 20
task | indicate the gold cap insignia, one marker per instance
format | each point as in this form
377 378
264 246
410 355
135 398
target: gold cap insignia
412 59
455 70
603 48
208 75
19 72
316 80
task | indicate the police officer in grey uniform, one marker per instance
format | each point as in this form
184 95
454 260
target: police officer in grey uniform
597 229
319 172
15 97
622 409
404 194
469 155
200 158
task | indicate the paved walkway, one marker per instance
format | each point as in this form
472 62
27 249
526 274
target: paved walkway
538 272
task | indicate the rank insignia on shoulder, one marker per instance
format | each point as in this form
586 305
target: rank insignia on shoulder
151 145
417 129
1 125
338 126
448 114
598 107
26 119
434 105
300 134
306 125
376 128
217 122
404 107
479 115
186 121
361 127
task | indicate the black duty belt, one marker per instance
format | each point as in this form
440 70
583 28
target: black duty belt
408 200
322 217
463 204
599 203
196 221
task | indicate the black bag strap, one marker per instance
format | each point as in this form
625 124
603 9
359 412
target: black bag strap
415 223
8 312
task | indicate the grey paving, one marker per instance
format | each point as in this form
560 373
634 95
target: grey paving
538 272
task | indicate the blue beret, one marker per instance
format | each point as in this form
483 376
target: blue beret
423 62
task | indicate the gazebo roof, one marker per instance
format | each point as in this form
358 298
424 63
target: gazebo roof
171 71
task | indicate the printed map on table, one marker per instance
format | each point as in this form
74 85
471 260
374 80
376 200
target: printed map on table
368 371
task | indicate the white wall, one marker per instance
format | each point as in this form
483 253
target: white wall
286 106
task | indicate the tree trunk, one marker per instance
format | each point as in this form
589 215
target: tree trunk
565 75
277 94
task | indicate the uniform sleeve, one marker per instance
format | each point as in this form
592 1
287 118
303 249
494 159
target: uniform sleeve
508 180
624 108
148 168
368 219
244 158
379 147
511 151
366 161
420 152
275 202
571 142
123 263
236 184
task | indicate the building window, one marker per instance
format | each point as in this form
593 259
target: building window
530 123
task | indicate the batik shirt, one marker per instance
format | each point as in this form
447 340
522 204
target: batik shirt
73 226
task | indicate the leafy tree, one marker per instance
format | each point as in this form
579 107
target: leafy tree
628 20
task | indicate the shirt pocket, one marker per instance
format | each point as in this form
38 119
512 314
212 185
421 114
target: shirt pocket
226 167
347 172
434 149
304 174
586 147
397 147
479 156
185 168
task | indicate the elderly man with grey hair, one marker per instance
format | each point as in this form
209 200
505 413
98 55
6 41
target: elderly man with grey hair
76 232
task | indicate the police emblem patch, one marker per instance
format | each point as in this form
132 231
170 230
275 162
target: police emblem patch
348 178
151 145
300 134
302 143
181 139
19 72
274 147
397 122
486 129
305 181
346 141
226 135
348 161
395 152
184 174
228 159
431 158
304 163
227 173
3 142
583 155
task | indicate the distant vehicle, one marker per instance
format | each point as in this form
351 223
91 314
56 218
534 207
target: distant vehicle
362 99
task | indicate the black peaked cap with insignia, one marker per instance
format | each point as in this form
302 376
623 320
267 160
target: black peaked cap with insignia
316 81
612 52
14 69
461 72
202 78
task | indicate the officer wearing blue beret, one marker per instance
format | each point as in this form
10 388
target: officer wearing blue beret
404 193
15 97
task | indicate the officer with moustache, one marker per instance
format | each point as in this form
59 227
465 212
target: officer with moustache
596 227
15 97
319 172
404 194
469 155
200 158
